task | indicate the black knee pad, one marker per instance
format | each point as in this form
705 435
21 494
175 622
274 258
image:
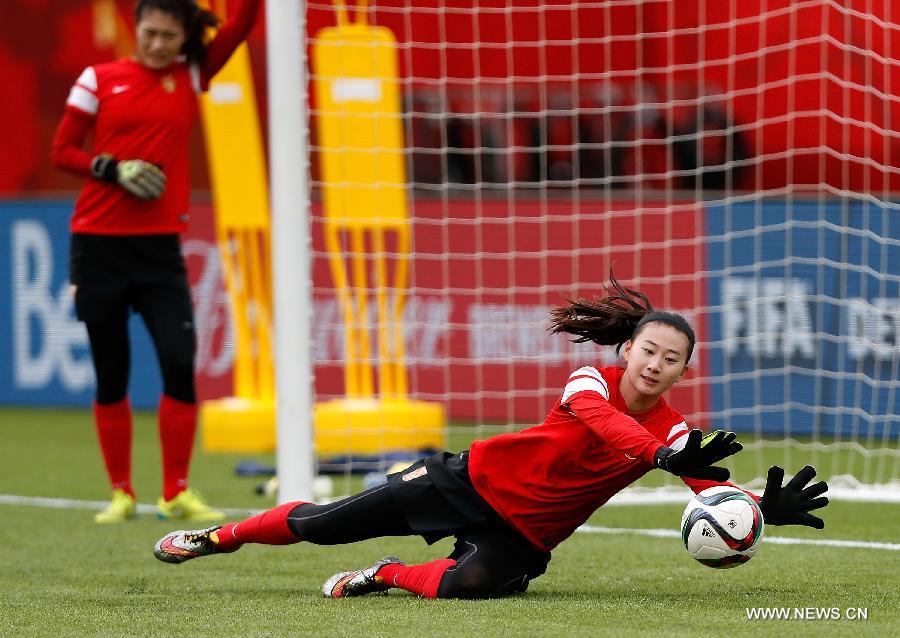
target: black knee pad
491 563
468 581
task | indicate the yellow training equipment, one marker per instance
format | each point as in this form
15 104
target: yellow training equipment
364 185
365 195
246 421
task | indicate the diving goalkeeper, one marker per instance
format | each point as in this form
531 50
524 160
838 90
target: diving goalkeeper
510 499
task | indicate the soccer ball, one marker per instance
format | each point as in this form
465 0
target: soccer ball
722 527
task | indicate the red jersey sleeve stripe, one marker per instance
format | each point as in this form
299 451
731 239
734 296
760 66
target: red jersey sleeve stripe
83 95
677 430
83 100
88 79
679 441
587 371
584 384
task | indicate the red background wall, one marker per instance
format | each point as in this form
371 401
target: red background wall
814 85
498 364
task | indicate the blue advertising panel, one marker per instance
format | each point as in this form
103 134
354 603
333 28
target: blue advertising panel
44 353
805 317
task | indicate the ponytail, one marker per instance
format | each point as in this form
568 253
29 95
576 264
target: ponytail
609 320
614 319
195 20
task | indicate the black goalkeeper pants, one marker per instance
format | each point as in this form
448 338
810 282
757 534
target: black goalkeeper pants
145 274
491 560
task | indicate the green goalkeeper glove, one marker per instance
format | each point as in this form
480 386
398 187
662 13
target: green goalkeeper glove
142 179
699 453
790 505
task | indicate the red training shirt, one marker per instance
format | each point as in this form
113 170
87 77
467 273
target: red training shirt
547 480
140 113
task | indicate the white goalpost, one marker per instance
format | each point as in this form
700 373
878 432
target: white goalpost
291 256
737 162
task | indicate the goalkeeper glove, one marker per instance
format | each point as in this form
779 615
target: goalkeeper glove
142 179
697 458
790 505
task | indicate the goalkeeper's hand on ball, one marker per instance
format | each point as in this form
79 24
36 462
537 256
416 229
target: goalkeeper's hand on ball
142 179
699 453
791 504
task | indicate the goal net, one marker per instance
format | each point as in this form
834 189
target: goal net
735 161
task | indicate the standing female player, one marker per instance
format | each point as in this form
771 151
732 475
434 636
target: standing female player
512 498
125 249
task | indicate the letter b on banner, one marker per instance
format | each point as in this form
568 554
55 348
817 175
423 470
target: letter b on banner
45 332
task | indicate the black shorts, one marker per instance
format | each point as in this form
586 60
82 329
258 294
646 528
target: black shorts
113 274
438 499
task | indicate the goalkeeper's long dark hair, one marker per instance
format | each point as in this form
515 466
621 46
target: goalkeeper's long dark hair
196 22
613 319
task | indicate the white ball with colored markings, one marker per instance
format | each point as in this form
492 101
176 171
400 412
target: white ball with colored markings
722 527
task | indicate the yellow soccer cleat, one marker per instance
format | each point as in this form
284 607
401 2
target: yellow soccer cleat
120 509
188 505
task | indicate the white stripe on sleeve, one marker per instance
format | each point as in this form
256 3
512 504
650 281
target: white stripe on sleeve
676 430
588 371
581 384
88 79
83 100
679 441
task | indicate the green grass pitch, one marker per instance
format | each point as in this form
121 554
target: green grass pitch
62 575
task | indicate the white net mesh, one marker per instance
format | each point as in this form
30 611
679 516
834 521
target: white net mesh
734 161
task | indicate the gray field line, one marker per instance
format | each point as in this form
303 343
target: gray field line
67 503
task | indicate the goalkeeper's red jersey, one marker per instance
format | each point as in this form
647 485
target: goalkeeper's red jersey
140 113
547 480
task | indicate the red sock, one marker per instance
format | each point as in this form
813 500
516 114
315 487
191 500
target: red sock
113 422
177 425
423 580
268 528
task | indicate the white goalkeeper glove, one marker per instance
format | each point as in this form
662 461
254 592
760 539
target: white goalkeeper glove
142 179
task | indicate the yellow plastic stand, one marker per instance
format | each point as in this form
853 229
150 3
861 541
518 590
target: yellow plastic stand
234 424
365 202
244 422
364 187
371 426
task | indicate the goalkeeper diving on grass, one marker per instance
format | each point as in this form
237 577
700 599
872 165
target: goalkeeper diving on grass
511 499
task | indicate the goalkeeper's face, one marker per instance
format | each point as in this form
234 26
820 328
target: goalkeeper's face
656 358
159 38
